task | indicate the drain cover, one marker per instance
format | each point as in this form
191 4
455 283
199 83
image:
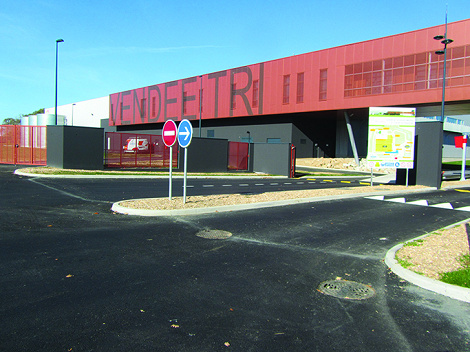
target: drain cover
214 234
346 289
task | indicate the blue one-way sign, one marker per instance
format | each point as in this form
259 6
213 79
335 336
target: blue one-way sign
185 133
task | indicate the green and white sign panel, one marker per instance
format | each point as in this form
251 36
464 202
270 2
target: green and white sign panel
391 137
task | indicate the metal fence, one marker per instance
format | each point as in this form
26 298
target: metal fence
125 150
238 153
23 145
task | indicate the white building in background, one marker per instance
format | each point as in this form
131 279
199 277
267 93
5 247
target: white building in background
88 113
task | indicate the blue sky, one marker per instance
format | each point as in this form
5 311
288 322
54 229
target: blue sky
111 46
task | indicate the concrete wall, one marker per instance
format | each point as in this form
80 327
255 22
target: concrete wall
75 147
205 155
428 156
272 158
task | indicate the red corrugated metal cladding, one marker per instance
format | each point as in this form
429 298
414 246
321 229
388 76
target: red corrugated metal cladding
397 70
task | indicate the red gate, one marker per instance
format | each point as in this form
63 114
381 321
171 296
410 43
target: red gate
125 150
238 153
23 145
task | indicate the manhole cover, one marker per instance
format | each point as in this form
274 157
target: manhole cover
214 234
346 289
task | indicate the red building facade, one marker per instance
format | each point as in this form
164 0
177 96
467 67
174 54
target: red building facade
393 71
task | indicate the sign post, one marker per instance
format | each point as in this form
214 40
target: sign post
185 134
169 139
464 157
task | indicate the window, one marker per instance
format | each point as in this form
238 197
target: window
300 87
285 89
255 98
407 73
273 140
323 83
210 133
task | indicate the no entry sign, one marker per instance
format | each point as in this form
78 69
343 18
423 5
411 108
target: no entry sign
169 133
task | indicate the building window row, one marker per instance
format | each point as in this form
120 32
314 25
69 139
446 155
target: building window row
407 73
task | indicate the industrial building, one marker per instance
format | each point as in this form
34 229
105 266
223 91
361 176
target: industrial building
306 99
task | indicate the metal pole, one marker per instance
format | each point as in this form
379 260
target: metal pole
464 157
185 174
351 138
170 190
56 71
200 107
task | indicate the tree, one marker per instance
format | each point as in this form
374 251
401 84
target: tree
10 121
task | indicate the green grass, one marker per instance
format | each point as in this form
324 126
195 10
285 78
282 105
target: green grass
413 243
459 277
404 263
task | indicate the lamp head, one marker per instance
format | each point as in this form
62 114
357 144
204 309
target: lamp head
439 37
59 41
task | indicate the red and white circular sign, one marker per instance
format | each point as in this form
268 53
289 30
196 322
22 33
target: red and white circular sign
169 133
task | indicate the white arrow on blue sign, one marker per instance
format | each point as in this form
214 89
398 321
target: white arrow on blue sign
185 133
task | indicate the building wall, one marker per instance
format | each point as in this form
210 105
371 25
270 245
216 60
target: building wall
392 71
88 113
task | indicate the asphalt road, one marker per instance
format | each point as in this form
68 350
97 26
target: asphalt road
75 277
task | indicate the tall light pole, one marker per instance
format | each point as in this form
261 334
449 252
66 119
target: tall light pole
72 112
56 69
444 40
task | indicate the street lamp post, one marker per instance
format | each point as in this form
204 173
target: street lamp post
444 40
56 69
72 112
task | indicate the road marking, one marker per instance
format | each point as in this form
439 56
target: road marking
328 180
396 200
345 181
207 185
364 183
274 184
422 202
300 183
226 185
443 206
463 190
287 183
376 197
259 184
243 184
463 209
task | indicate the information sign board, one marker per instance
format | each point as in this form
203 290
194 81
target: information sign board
391 137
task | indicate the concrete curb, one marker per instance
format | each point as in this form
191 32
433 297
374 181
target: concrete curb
27 174
452 291
118 208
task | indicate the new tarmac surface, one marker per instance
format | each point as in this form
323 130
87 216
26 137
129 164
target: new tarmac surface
76 277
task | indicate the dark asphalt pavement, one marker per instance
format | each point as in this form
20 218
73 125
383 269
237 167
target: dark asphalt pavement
76 277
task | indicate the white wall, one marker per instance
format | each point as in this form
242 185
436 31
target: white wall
88 113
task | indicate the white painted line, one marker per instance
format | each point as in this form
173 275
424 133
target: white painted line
422 202
207 185
274 184
226 185
396 200
243 184
287 183
375 197
300 183
463 209
259 184
443 206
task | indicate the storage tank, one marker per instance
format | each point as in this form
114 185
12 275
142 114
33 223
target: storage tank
33 120
24 120
46 120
